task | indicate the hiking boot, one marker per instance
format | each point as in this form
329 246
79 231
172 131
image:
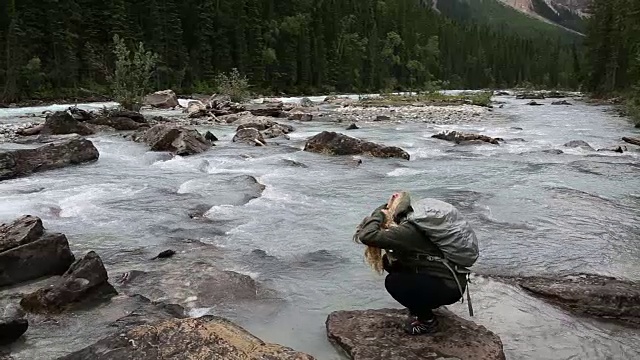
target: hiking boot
415 326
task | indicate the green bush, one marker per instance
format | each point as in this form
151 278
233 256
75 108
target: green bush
130 82
234 85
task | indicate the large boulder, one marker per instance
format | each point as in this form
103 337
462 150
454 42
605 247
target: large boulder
86 277
176 139
165 99
133 115
118 123
588 294
333 143
378 335
12 324
62 122
79 114
20 162
460 138
249 136
202 338
27 252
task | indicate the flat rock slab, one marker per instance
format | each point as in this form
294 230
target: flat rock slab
588 294
378 335
196 339
460 138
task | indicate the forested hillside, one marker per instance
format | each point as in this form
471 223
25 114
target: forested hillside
613 50
55 47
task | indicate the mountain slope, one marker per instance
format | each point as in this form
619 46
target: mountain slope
566 13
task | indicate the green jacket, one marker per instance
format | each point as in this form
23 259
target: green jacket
405 242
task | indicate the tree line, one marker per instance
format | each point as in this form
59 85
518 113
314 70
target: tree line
55 48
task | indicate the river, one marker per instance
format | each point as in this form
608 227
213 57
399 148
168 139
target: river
534 213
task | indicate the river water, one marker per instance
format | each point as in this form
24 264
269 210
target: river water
534 213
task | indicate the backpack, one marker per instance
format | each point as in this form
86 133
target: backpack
447 229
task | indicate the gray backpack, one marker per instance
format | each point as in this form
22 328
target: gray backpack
445 227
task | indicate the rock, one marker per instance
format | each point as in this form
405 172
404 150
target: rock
34 130
562 102
207 337
209 136
21 162
588 294
306 102
165 254
618 149
555 94
249 136
502 93
533 103
267 109
175 139
353 126
28 252
133 115
633 141
11 329
529 96
553 151
118 123
382 118
85 278
378 335
62 122
294 163
459 137
300 116
259 123
578 144
516 128
333 143
275 131
165 99
79 114
194 106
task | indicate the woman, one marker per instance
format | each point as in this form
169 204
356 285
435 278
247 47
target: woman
418 283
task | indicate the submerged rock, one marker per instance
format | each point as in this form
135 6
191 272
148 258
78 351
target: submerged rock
175 139
203 338
619 149
85 278
333 143
579 144
534 103
561 102
165 99
378 335
27 252
459 137
21 162
61 123
353 126
588 294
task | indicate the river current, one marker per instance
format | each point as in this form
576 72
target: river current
534 213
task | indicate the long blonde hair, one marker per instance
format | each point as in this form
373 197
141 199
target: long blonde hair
373 255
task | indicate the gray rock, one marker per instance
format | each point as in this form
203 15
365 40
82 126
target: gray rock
306 102
534 103
333 143
249 136
85 278
21 162
382 118
578 144
300 116
460 137
619 149
353 126
561 102
175 139
165 99
378 335
62 122
118 123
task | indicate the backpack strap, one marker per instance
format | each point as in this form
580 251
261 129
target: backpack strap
457 270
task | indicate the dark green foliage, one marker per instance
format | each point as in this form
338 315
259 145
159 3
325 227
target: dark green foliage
55 47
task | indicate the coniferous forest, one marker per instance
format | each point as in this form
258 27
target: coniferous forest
56 47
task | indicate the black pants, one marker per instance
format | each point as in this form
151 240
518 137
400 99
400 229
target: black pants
420 293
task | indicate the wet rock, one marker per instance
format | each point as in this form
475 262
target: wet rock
553 151
562 102
133 115
555 94
28 252
209 136
353 126
578 144
207 337
21 162
249 136
259 123
502 93
85 279
588 294
530 95
79 114
382 118
165 254
118 123
534 103
619 149
378 335
630 140
267 109
306 102
516 128
277 130
175 139
12 325
460 137
300 116
294 163
333 143
165 99
62 122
